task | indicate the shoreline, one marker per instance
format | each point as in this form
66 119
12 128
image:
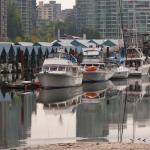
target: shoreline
92 146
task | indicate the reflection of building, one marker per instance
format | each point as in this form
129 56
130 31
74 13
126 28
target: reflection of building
15 118
3 20
91 120
115 111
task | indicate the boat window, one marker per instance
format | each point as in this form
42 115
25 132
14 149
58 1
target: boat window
68 69
88 64
54 68
92 56
46 68
132 53
74 70
61 69
96 65
102 66
82 65
102 94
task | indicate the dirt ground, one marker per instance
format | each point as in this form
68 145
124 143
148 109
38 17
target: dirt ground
92 146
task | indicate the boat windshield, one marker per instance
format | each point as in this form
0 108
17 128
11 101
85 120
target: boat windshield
92 57
133 53
63 56
58 55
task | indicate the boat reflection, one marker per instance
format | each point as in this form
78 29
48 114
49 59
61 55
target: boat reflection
61 98
56 115
91 117
137 89
94 92
120 84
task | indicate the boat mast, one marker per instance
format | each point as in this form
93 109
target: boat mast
120 16
134 24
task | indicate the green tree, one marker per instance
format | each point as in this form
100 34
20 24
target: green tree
14 20
90 33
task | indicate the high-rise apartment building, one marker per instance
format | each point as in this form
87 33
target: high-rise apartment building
47 12
86 14
27 9
3 20
67 14
107 18
50 11
104 16
136 14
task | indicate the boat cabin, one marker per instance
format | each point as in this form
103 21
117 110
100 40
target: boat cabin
134 57
61 68
98 66
94 55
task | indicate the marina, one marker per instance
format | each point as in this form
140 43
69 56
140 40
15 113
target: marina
74 75
101 112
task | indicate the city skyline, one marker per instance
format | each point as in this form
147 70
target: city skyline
65 4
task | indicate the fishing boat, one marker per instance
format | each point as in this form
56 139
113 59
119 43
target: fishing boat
60 70
93 66
137 63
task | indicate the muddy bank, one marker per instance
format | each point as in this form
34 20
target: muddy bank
92 146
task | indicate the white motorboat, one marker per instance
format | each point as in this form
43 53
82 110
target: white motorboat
118 63
93 66
121 72
59 71
137 63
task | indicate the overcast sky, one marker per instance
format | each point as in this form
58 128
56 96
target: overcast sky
65 3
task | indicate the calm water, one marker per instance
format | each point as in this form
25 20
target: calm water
106 111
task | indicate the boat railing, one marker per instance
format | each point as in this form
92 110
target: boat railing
63 56
93 67
74 101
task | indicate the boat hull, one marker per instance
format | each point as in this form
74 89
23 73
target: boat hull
59 80
121 75
143 70
90 76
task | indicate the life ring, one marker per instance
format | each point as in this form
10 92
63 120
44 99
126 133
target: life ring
90 95
90 68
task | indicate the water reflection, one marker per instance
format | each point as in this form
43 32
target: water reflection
15 117
105 111
55 119
94 92
137 89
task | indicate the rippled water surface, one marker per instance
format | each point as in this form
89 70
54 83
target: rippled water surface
115 111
